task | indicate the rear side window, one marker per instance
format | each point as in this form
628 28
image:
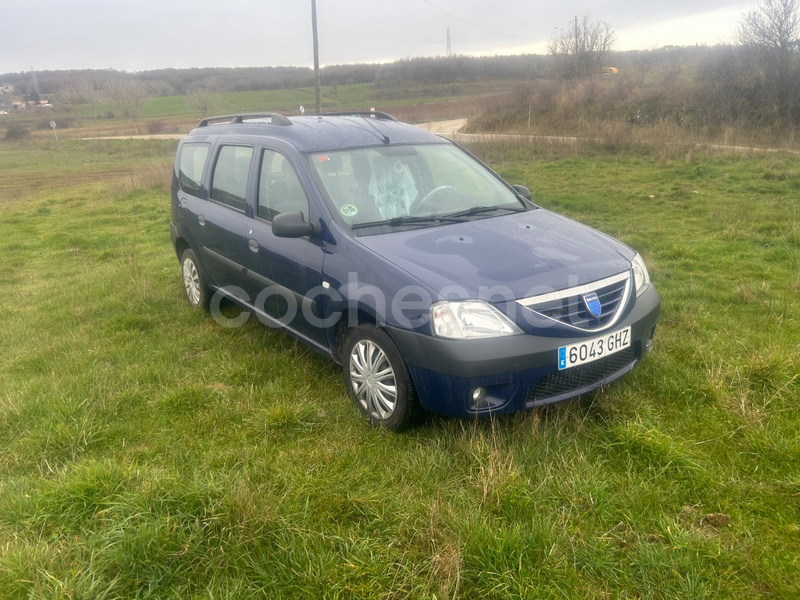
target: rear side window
231 171
190 167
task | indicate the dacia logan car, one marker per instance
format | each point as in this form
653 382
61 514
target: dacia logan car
435 284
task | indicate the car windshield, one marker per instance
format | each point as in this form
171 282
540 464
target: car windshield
381 188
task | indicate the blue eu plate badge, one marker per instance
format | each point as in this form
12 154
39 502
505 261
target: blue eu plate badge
562 358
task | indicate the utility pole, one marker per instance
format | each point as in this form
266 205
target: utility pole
316 54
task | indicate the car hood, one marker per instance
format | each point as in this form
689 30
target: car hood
511 256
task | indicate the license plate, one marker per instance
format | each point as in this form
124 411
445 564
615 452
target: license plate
593 349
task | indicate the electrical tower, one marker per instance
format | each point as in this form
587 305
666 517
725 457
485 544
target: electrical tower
448 41
36 83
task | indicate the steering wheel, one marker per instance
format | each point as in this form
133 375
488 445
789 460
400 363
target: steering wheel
417 204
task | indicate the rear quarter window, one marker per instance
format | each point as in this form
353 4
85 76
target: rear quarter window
190 167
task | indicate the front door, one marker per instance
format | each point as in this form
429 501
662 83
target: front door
284 272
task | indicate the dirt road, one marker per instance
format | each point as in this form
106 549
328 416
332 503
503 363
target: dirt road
451 130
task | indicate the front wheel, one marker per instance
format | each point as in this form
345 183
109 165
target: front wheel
377 379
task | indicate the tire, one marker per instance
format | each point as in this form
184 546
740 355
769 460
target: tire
378 381
194 283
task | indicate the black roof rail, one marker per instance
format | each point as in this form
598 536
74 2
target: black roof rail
374 114
276 118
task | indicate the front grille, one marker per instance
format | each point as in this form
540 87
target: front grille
563 383
568 306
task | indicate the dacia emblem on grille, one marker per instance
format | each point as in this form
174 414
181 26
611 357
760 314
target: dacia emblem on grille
592 303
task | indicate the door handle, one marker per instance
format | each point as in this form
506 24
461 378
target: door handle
202 220
253 245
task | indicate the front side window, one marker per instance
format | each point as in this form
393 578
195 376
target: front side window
231 171
190 167
279 189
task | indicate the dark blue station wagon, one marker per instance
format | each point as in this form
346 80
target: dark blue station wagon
435 284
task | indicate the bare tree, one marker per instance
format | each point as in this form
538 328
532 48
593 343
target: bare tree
73 96
772 30
128 94
579 49
201 99
774 24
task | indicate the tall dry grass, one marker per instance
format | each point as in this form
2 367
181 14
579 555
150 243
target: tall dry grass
667 111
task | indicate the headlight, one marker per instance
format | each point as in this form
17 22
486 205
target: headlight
640 275
470 319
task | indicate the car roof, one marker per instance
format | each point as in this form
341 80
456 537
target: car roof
324 132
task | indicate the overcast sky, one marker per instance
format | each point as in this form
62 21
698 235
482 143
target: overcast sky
151 34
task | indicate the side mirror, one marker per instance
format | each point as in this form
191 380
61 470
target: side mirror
522 191
291 225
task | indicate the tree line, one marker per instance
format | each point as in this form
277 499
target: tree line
171 82
756 79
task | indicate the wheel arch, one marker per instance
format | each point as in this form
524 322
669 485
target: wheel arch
350 319
181 245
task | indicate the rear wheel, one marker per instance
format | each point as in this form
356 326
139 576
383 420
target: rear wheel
377 379
194 284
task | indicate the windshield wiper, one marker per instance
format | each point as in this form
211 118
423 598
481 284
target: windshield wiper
476 210
410 220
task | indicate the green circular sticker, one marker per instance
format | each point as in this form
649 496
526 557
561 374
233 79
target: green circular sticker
349 210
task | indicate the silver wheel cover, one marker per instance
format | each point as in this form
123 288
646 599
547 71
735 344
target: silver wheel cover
373 380
191 281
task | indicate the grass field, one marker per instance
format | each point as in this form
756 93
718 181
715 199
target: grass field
146 451
178 114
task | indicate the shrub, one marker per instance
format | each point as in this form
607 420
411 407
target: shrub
16 132
154 127
62 122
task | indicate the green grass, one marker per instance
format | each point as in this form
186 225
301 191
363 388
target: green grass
147 452
103 116
341 97
333 98
39 168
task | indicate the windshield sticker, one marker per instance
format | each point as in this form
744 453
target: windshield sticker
349 210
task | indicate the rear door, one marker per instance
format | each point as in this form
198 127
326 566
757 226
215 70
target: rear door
222 220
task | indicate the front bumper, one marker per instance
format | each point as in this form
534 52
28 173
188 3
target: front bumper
515 372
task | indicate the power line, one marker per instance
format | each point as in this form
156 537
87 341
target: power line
472 24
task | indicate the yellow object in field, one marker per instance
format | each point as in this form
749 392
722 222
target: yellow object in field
610 70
